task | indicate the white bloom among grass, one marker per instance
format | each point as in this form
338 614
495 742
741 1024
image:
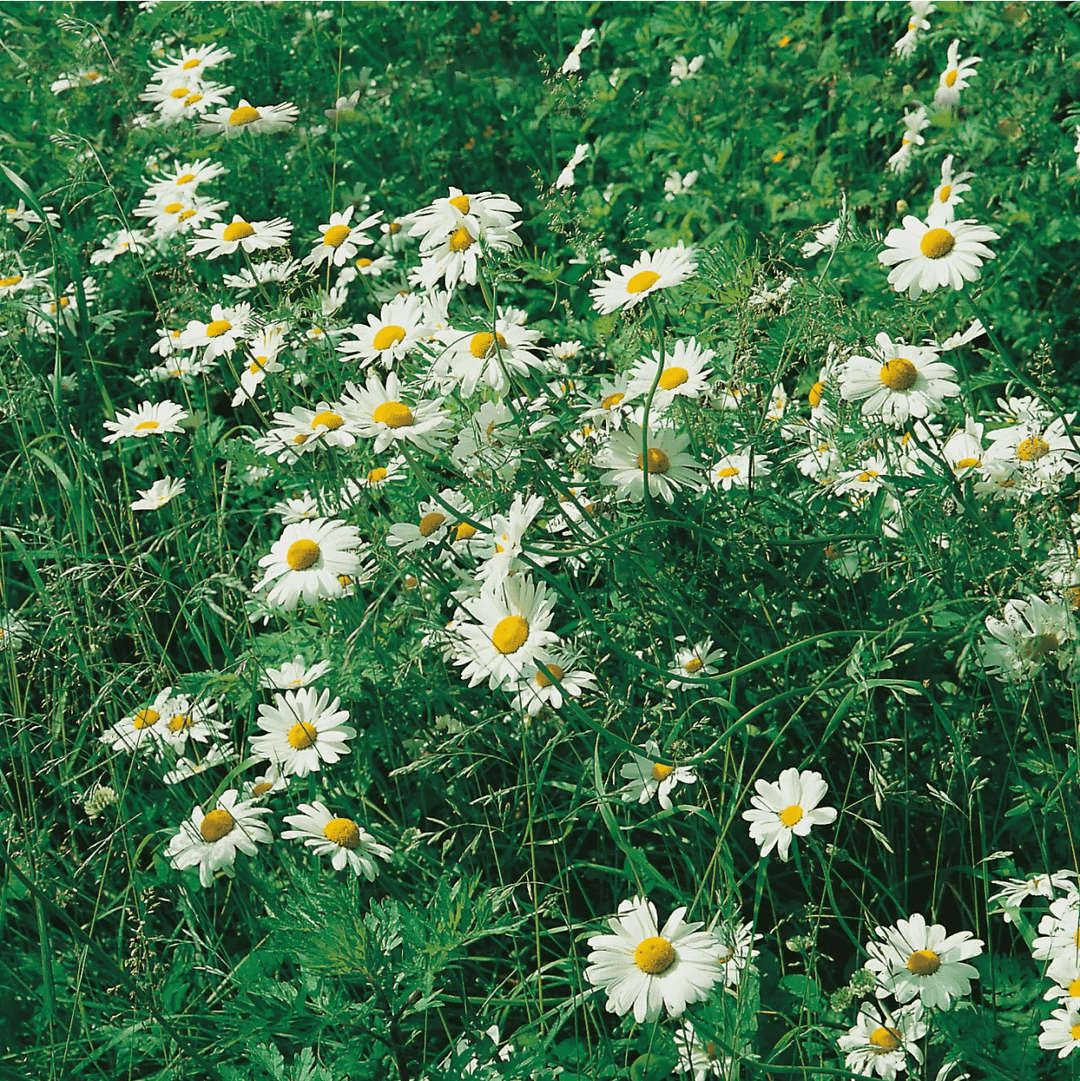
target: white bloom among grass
947 193
140 730
307 560
700 1055
211 841
647 778
1061 1033
683 372
573 58
898 382
738 470
787 808
649 273
919 960
490 358
382 416
537 687
926 255
395 332
1032 633
955 77
302 731
644 969
669 466
339 240
224 238
161 418
880 1042
256 119
1059 930
294 673
346 842
694 662
159 493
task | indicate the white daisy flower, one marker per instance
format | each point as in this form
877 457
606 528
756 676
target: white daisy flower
161 418
916 960
227 328
182 99
917 22
1015 891
787 808
880 1042
1061 1032
647 778
669 467
1059 930
178 216
366 268
684 374
339 241
915 120
738 470
947 194
306 561
864 480
140 730
184 768
190 64
433 525
259 120
675 184
1030 634
898 382
573 58
395 332
159 493
955 77
1044 452
963 450
488 357
650 272
925 256
509 633
1064 970
294 673
224 239
250 278
381 415
272 780
536 689
347 843
210 841
695 661
644 969
682 69
302 731
824 238
701 1056
13 632
565 179
120 242
736 941
184 177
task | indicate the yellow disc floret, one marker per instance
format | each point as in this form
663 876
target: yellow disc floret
923 963
302 735
302 554
343 832
884 1039
642 280
899 374
460 203
461 239
1032 449
543 680
335 236
673 377
937 243
393 415
216 825
791 816
327 419
237 230
146 425
510 634
218 327
181 722
660 772
654 955
658 461
388 336
246 114
612 400
483 344
145 718
430 522
693 665
377 475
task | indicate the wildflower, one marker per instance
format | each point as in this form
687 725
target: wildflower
249 279
916 960
786 809
1061 1032
963 450
915 120
184 768
682 69
736 941
955 77
261 120
826 237
565 179
381 415
947 194
669 468
651 271
695 661
537 688
682 373
925 256
339 241
738 470
148 419
210 841
307 561
346 842
1064 970
159 493
433 523
879 1042
118 243
294 673
674 184
302 731
643 969
1043 451
1059 930
224 239
13 632
573 59
700 1056
1031 633
918 22
366 268
1017 890
272 780
191 63
647 778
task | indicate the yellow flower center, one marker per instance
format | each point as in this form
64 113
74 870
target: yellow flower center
673 377
326 419
642 280
693 665
180 92
510 634
791 816
363 262
654 955
257 365
237 230
6 283
658 461
261 788
937 243
146 425
950 77
867 476
194 98
388 336
460 203
217 328
816 393
430 522
483 344
335 236
216 825
884 1039
302 736
186 178
1074 989
302 554
343 832
943 195
1031 450
728 471
145 718
393 415
660 772
174 208
612 400
180 723
461 238
194 62
465 531
543 680
246 114
376 475
899 374
186 214
967 463
923 963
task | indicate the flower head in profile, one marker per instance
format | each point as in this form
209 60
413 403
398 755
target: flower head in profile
573 59
787 808
159 493
928 255
256 119
647 778
955 77
644 969
161 418
650 272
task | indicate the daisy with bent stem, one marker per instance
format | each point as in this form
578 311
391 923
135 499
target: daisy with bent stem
347 843
644 969
307 561
917 960
210 841
898 382
786 809
302 731
647 778
926 255
650 272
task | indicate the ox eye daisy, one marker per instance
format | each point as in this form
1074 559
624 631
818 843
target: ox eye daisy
346 842
211 840
488 357
646 778
159 493
223 238
162 418
538 688
955 77
880 1042
381 415
293 674
682 372
644 968
258 120
302 731
738 470
927 255
392 334
339 240
649 273
787 808
667 464
693 662
307 560
140 730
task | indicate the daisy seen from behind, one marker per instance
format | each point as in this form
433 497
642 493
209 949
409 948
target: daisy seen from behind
302 730
161 418
159 493
307 560
787 808
210 841
898 382
927 255
644 969
347 843
646 778
919 960
649 273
